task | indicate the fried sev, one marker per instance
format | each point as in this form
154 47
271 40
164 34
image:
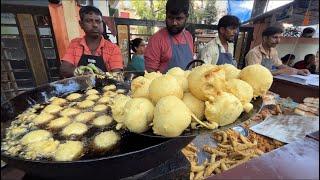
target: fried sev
232 150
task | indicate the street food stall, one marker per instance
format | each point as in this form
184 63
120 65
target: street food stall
206 122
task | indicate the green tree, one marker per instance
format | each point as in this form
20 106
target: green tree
149 10
210 11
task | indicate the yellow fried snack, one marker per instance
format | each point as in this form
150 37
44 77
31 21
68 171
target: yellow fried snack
111 87
206 81
171 117
71 150
73 96
140 87
105 140
85 117
42 118
152 75
45 148
93 97
104 100
176 71
110 94
52 109
102 121
92 91
242 90
59 123
194 104
58 101
118 107
75 128
261 82
85 104
163 86
100 108
231 72
35 136
138 114
69 112
224 109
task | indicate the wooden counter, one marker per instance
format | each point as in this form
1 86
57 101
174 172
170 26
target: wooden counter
295 91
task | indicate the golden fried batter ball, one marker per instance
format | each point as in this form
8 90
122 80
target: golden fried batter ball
52 109
35 136
223 109
102 121
100 108
71 150
140 87
70 112
259 77
59 123
163 86
73 96
58 101
42 118
46 148
85 104
85 117
75 128
110 94
231 72
195 105
92 91
111 87
152 75
93 97
117 107
106 140
104 100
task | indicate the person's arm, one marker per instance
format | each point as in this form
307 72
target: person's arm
284 69
152 55
66 69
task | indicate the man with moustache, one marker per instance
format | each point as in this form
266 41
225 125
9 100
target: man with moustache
92 48
267 55
220 49
171 46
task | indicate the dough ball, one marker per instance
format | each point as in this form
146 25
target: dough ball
92 91
187 73
242 90
206 80
111 87
102 121
196 106
231 72
58 101
93 97
100 108
163 86
85 104
59 123
52 109
152 75
46 148
183 82
176 71
110 94
73 96
42 118
140 87
71 150
104 100
69 112
259 77
75 128
117 108
85 117
106 140
138 114
223 109
35 136
171 117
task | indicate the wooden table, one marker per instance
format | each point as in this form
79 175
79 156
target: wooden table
295 91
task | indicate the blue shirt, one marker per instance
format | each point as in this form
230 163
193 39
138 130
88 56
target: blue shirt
136 63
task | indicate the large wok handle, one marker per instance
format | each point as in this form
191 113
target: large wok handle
193 62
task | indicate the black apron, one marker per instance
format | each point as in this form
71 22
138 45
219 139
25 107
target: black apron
96 60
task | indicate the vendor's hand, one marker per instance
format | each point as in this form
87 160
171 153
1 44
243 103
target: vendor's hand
303 72
289 71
